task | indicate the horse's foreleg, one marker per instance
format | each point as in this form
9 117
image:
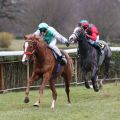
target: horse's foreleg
46 77
94 79
29 81
26 100
84 77
54 93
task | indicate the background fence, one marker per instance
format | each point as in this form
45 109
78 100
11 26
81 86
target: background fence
13 74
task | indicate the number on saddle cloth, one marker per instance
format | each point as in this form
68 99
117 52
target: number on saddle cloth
101 45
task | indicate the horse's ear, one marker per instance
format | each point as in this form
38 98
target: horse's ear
25 37
34 36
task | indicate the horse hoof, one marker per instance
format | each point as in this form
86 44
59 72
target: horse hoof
52 108
91 86
69 104
37 104
26 100
87 85
96 89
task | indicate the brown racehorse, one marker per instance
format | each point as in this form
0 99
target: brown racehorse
45 67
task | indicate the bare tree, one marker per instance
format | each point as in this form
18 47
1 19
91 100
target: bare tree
57 13
23 16
10 13
105 14
9 8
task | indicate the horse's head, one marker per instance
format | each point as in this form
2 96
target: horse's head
30 46
77 35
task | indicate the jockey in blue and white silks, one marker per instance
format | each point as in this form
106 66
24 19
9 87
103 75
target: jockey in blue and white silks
51 36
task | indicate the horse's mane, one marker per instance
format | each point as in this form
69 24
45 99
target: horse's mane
84 45
33 37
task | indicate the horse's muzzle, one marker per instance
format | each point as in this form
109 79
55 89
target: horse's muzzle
26 62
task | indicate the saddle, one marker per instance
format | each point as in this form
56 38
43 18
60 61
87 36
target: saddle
61 60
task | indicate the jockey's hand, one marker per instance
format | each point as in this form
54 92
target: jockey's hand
72 38
85 32
67 44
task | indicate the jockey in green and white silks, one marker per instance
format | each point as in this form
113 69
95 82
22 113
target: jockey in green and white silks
51 36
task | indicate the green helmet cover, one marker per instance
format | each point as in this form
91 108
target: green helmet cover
43 25
83 21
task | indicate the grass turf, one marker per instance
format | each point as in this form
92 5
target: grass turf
86 105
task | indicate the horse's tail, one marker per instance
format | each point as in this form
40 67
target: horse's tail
69 60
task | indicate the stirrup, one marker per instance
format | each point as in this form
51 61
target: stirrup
63 60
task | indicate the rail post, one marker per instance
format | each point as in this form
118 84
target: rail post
1 77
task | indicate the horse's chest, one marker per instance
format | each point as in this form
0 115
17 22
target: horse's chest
41 68
86 64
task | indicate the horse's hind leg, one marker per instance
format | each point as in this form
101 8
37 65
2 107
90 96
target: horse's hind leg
54 93
107 64
67 79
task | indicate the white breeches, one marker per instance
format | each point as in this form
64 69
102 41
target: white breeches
92 42
53 46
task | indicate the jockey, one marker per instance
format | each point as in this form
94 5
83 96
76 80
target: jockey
51 36
92 34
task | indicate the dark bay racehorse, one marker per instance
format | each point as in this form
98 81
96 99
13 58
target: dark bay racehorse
90 59
45 67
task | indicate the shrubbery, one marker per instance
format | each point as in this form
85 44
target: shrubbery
5 39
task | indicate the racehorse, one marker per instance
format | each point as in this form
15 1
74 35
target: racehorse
45 67
90 59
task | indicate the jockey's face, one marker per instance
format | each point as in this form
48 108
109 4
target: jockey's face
85 27
43 31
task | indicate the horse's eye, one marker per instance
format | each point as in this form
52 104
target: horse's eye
31 46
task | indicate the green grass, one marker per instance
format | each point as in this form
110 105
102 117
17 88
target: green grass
86 105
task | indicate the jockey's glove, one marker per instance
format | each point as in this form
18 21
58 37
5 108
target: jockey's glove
67 44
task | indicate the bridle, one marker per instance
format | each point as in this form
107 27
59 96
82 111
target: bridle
34 45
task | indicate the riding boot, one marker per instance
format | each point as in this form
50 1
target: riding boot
62 60
98 48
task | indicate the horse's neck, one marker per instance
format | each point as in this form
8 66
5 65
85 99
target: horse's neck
84 47
41 54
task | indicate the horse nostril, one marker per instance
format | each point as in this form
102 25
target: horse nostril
25 62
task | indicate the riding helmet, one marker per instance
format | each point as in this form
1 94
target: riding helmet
43 27
83 23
